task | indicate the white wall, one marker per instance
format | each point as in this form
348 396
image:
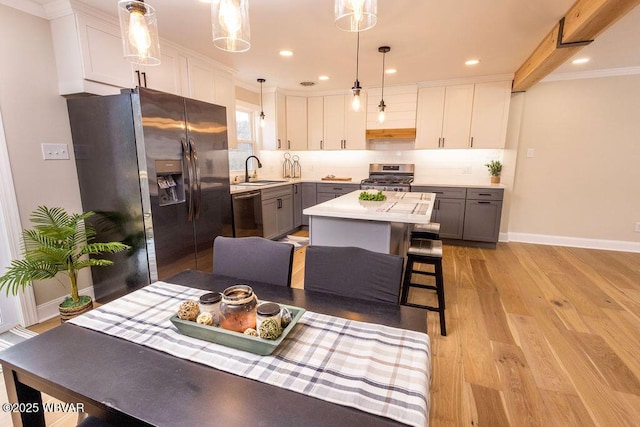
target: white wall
582 187
34 113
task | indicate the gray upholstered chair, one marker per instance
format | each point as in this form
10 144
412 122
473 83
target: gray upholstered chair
253 259
353 272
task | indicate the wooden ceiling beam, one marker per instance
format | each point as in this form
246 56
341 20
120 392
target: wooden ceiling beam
584 21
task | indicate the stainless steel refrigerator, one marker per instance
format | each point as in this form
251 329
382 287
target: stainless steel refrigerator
155 169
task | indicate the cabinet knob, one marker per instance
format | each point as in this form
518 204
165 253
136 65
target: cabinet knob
279 143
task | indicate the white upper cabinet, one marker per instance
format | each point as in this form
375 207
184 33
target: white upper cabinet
334 122
458 102
315 122
344 129
430 115
89 56
490 114
356 124
165 77
274 133
296 111
463 116
202 80
89 59
400 111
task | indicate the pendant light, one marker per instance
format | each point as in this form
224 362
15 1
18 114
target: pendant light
230 25
139 30
382 106
261 109
355 104
356 15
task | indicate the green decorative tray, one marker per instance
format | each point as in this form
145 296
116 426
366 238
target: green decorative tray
234 339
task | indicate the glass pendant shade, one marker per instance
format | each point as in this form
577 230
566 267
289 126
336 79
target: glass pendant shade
381 108
139 30
356 15
230 25
355 103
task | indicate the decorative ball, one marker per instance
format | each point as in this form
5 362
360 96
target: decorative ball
189 310
286 317
205 318
251 331
270 329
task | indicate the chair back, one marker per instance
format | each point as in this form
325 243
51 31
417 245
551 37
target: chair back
253 259
353 272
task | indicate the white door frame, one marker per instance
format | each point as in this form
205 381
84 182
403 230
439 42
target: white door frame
26 303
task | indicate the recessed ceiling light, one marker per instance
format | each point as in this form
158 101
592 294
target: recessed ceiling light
286 53
206 1
580 61
323 78
472 62
391 71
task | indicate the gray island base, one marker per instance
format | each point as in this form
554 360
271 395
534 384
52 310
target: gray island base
382 227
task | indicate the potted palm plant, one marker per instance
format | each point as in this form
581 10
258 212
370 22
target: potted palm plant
495 169
59 244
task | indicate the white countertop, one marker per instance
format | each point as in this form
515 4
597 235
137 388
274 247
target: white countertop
241 188
399 207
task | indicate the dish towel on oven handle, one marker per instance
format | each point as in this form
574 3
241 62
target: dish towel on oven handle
375 368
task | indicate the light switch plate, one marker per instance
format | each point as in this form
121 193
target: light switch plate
529 152
55 152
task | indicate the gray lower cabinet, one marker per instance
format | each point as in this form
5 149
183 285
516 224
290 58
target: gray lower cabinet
326 191
308 199
448 210
277 211
297 205
482 215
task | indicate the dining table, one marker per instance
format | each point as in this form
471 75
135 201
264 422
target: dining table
128 383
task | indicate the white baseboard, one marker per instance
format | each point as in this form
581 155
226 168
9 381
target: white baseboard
576 242
49 310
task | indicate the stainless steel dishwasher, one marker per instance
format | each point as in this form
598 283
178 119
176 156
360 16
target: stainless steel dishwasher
247 214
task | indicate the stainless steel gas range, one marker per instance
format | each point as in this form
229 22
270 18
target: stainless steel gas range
389 177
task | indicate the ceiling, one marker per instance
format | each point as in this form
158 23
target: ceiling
429 39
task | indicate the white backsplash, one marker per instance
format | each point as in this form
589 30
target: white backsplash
432 166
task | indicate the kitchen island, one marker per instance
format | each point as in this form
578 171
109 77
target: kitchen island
377 226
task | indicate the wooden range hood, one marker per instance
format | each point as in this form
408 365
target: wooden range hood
402 133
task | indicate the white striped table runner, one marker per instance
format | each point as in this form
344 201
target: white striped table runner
377 369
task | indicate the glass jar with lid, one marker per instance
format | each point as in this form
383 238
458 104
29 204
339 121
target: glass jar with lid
210 302
267 310
238 308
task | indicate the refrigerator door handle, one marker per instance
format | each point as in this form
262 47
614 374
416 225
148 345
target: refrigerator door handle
186 153
197 183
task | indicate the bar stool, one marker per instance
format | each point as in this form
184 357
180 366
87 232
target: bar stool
426 231
425 251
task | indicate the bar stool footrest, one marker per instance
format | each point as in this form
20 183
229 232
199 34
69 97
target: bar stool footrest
421 286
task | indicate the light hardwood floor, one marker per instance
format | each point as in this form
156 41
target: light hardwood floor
537 335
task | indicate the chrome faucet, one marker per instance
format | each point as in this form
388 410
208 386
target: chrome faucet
246 167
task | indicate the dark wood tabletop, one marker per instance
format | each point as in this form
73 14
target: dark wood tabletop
129 384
